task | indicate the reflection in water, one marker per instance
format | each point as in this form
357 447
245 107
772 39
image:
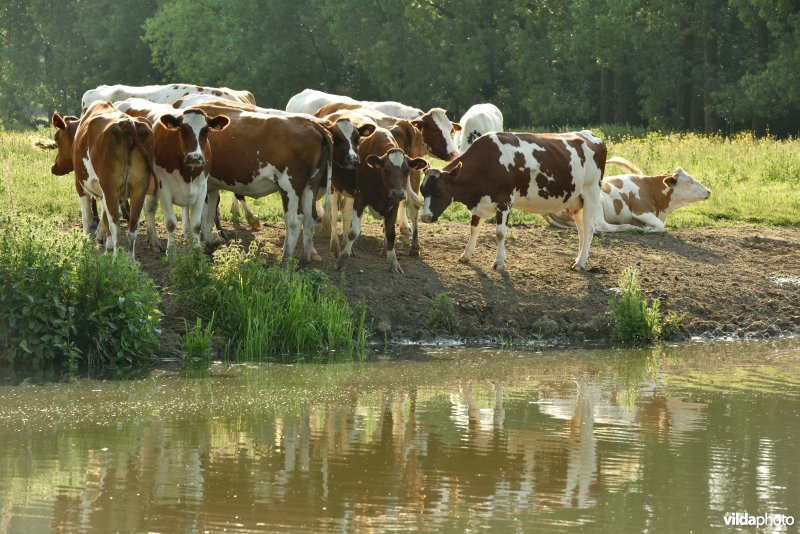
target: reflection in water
619 441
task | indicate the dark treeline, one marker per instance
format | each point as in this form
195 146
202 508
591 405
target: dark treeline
703 65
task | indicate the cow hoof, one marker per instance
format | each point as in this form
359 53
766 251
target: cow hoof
464 259
414 252
405 230
396 269
223 234
341 264
255 224
155 247
577 267
315 256
499 267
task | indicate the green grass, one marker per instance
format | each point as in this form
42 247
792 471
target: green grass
743 173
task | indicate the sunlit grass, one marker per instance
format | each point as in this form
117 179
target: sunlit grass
754 181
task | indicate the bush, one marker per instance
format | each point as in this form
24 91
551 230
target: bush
267 311
442 313
632 321
64 306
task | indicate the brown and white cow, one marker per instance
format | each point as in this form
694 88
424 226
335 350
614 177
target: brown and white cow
162 94
638 202
259 154
182 157
381 181
112 156
541 173
344 134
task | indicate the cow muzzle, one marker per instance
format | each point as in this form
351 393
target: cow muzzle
452 156
397 195
427 218
352 162
194 160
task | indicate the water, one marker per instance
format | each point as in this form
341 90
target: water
444 440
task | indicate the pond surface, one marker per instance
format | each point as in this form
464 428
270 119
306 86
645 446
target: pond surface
454 440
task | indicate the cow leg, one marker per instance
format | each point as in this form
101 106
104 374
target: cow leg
405 228
95 220
474 231
170 221
87 203
388 229
413 211
111 213
235 207
347 218
502 228
585 222
252 218
150 205
333 218
352 235
309 222
209 215
291 217
652 224
194 220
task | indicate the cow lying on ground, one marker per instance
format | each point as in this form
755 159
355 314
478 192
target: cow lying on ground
182 156
112 156
638 202
380 181
540 173
478 120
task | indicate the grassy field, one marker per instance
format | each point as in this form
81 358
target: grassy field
754 181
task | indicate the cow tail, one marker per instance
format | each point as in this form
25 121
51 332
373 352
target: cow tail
625 164
129 126
326 164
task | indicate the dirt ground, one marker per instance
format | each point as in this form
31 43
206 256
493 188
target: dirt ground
728 281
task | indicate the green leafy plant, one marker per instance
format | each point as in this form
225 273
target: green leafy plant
633 321
197 348
264 311
441 313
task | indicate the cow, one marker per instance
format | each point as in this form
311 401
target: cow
478 120
310 100
345 139
112 156
161 94
638 202
380 181
541 173
182 157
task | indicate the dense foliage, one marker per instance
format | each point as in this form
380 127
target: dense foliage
267 312
704 65
635 322
66 307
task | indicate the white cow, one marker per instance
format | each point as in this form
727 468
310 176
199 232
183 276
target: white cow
478 120
161 94
310 100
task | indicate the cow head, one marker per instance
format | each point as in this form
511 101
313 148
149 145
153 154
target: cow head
395 167
435 189
345 141
437 133
193 126
685 189
64 137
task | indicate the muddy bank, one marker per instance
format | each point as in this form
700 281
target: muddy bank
728 281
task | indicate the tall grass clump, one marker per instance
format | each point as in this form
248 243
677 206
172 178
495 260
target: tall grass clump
197 348
268 312
441 313
633 322
66 307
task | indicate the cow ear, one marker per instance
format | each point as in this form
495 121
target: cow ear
671 180
456 127
374 161
170 122
218 123
418 123
418 164
58 122
366 129
455 170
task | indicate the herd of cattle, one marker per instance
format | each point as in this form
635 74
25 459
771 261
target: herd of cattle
182 144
